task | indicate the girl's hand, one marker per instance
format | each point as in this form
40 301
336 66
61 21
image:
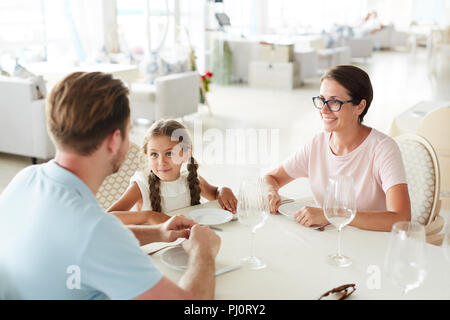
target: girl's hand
227 200
310 216
274 201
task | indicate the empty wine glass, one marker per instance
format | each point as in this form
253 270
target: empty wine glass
405 262
252 212
340 209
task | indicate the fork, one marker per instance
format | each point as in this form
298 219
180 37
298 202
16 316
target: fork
165 247
215 228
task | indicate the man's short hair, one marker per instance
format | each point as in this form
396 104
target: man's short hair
84 108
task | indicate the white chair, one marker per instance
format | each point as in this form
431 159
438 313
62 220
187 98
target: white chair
244 51
171 96
361 47
389 37
422 174
116 184
23 128
307 59
435 128
331 57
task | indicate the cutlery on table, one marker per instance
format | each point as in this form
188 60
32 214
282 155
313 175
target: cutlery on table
318 227
215 228
227 269
166 246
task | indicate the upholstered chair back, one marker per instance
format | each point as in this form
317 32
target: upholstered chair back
436 129
117 183
422 174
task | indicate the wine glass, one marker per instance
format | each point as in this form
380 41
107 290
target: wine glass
405 262
340 209
252 212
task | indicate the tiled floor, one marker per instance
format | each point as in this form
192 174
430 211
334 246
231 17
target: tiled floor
287 117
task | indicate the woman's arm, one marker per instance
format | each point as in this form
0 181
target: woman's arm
398 209
397 204
122 206
224 195
276 179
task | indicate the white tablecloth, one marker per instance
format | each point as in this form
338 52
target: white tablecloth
297 269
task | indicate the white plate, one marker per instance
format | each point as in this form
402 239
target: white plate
175 258
210 216
288 209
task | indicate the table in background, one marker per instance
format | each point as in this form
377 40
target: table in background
296 266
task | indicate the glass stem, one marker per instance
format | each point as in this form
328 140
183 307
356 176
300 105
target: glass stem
252 243
339 241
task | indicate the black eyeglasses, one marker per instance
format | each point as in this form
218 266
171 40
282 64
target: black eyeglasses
333 104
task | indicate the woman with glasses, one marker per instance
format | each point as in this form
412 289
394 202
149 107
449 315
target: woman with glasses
347 147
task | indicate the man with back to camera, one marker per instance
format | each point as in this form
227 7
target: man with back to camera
52 229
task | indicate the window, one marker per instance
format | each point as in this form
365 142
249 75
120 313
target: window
161 25
50 30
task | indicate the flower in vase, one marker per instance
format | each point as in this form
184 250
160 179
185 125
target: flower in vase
206 79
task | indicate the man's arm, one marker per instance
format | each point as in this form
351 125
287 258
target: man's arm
140 217
198 282
174 228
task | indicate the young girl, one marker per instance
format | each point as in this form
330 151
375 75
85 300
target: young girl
167 187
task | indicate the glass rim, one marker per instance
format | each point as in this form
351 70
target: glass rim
409 229
407 226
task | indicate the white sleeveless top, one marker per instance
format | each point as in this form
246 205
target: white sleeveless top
174 194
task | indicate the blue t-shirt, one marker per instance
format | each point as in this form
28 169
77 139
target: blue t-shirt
57 243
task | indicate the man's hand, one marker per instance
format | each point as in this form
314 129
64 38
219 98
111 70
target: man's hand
176 227
202 240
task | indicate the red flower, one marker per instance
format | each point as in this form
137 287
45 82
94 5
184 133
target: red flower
209 74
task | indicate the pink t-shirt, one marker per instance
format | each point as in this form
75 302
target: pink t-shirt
375 165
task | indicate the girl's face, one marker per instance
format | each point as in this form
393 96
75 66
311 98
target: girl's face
165 157
344 118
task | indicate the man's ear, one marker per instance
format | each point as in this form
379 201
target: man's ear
113 141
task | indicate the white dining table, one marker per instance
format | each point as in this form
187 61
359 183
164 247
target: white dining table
296 263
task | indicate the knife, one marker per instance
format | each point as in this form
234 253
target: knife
227 269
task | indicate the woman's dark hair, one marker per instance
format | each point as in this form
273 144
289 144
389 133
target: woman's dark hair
356 81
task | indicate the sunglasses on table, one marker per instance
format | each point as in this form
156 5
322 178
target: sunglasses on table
339 293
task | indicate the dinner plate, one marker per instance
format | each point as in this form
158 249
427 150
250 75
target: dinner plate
175 258
288 209
210 216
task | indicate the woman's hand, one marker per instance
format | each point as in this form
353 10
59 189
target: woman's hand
274 201
227 200
310 216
